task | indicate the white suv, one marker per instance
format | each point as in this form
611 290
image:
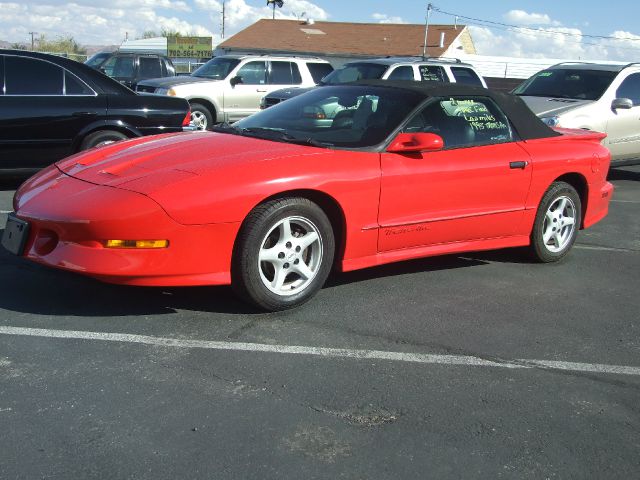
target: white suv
600 97
230 87
442 70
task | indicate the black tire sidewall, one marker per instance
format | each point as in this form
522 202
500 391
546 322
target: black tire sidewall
539 249
95 138
246 279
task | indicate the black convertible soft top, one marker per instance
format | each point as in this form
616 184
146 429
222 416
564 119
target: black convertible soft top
525 122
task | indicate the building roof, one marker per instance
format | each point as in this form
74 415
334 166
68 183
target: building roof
338 38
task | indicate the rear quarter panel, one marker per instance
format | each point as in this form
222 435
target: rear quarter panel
148 113
572 153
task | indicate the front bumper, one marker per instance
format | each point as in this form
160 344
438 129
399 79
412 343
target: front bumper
70 221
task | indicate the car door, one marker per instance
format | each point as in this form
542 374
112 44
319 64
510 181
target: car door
243 98
475 188
43 109
623 127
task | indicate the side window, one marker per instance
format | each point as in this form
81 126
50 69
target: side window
630 88
319 70
284 73
432 73
401 73
73 86
119 67
463 122
29 76
149 67
466 76
253 73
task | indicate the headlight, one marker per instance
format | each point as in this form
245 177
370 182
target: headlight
551 121
165 91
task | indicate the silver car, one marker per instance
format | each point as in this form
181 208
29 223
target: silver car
230 87
599 97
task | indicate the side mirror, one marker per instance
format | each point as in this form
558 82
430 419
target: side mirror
235 80
416 142
622 103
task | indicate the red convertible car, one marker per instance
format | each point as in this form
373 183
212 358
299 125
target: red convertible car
349 176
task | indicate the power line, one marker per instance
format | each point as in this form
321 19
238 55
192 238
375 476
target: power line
544 32
537 30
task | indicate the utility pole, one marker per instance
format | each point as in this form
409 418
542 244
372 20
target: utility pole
32 41
426 30
223 17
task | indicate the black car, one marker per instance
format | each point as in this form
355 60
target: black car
52 107
129 68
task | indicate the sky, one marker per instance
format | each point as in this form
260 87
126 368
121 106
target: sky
565 29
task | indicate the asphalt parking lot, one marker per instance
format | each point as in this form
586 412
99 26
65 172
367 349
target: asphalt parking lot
480 365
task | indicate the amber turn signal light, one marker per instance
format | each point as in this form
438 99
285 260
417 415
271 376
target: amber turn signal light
137 243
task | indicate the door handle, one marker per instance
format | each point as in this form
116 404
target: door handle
260 90
84 114
521 165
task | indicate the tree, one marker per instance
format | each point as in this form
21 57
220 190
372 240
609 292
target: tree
163 33
62 44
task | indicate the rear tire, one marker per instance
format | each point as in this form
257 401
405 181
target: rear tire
283 254
101 137
201 117
557 222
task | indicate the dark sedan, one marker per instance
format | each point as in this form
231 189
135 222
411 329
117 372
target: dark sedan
52 107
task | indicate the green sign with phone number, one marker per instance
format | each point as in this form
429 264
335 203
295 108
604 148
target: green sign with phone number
189 47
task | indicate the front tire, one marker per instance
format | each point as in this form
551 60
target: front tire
557 222
201 117
283 254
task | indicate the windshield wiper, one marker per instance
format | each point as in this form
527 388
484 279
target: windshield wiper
266 133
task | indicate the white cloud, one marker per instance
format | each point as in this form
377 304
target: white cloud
520 17
384 18
108 21
555 43
103 23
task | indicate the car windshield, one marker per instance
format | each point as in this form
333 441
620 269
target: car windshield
348 116
98 59
352 72
578 84
217 68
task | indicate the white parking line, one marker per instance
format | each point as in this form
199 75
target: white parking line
6 211
322 352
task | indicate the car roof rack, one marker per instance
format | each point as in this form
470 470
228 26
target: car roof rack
414 58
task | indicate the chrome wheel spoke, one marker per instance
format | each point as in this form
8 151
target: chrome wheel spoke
285 232
269 255
566 221
546 236
279 278
562 205
303 270
309 239
550 216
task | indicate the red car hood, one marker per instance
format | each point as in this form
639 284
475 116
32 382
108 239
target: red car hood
143 165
